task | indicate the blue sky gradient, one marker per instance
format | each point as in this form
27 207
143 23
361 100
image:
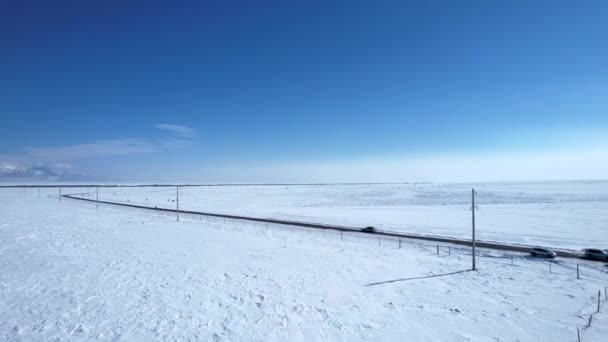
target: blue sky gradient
109 88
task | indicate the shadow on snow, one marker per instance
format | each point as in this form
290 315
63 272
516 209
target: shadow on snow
415 278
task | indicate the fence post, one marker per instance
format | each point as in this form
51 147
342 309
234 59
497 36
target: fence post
437 249
599 295
379 244
578 333
341 235
177 202
590 317
399 243
511 259
577 273
606 292
449 250
473 225
59 194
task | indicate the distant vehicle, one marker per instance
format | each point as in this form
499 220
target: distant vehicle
595 254
369 229
542 252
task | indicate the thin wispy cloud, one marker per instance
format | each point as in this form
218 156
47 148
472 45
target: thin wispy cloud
178 130
99 148
66 157
14 160
179 136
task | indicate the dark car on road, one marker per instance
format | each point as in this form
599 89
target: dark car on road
595 254
369 229
542 252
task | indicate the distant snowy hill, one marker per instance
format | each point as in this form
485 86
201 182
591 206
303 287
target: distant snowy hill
15 172
10 173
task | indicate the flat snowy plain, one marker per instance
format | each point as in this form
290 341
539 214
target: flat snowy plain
571 215
69 271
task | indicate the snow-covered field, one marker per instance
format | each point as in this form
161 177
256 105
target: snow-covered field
556 214
71 272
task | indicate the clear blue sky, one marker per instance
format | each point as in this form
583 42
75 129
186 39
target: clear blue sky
217 87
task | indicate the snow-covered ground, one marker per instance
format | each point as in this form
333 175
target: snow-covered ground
556 214
71 272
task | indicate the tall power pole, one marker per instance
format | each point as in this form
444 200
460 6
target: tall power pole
177 195
473 224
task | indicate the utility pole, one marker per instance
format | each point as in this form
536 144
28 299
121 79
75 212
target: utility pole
177 193
473 223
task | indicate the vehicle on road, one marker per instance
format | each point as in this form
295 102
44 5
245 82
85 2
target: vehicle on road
542 252
595 254
368 229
